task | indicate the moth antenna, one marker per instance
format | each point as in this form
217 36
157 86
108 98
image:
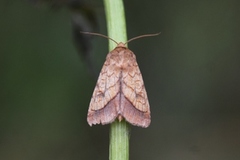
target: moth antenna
145 35
98 34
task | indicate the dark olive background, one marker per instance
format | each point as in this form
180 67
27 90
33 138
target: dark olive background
191 73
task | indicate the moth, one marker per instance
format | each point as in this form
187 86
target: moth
120 92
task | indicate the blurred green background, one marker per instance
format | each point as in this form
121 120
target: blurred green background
191 73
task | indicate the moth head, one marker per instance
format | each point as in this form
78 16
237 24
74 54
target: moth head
121 45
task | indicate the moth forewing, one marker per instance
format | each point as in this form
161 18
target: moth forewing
102 108
136 111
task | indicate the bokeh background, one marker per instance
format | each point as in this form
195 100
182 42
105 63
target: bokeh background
191 73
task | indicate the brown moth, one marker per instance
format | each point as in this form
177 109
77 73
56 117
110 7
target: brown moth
120 91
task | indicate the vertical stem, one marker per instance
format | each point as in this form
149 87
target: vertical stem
119 141
116 24
119 131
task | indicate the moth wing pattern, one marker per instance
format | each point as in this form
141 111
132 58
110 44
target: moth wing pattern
136 108
120 91
104 101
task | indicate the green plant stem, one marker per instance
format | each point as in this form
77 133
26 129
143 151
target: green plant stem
116 24
119 141
119 131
